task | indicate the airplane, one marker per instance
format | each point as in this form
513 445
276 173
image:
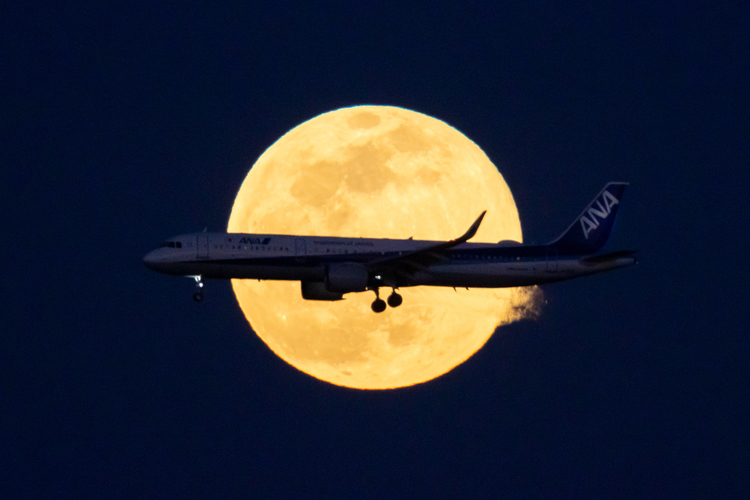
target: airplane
329 267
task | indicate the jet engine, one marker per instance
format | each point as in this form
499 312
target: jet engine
316 290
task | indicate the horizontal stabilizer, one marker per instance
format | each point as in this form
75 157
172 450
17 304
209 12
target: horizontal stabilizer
607 257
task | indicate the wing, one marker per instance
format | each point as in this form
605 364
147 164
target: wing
404 266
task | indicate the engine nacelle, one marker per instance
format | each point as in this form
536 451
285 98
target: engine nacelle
316 290
346 277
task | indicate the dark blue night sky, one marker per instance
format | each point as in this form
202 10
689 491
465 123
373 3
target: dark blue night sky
123 124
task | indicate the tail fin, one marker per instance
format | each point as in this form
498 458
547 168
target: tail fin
591 229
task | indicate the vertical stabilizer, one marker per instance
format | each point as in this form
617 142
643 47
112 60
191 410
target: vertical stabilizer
591 229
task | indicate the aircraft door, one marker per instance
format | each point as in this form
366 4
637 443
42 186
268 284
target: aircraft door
551 260
300 249
202 246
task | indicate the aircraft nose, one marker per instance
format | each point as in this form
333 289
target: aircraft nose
150 259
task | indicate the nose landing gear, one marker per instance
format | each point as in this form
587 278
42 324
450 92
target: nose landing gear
198 295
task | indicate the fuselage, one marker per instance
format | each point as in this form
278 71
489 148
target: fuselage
329 267
308 258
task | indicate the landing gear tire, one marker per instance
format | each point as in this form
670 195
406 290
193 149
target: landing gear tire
378 306
198 295
395 300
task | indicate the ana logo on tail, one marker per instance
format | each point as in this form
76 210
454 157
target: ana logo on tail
599 210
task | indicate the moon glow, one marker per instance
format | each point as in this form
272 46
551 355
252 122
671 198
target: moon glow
376 172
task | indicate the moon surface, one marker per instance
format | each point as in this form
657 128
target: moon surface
376 172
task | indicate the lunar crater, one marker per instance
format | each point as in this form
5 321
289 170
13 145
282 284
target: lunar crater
363 120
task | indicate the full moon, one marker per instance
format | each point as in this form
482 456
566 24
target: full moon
376 172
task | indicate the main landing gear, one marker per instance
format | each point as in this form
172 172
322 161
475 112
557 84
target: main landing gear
198 295
394 300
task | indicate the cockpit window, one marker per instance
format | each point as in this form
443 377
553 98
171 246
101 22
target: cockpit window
172 244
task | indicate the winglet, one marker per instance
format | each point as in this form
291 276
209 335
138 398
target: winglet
472 230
